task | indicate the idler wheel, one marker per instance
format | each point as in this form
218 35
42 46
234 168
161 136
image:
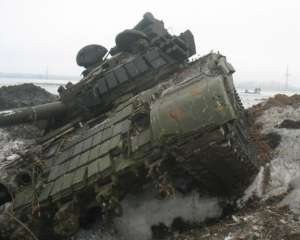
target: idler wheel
90 55
66 220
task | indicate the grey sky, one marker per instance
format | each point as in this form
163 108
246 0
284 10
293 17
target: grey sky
259 37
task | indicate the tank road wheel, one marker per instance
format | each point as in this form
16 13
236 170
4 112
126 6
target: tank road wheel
66 220
227 163
21 234
245 167
239 136
110 206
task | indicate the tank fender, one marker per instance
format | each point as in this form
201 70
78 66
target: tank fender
191 106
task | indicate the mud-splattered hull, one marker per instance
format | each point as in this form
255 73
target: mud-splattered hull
187 134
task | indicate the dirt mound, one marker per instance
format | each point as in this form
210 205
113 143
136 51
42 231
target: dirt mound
282 100
273 139
23 95
289 124
279 100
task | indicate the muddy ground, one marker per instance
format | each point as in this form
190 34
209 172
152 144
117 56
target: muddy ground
13 140
22 96
273 208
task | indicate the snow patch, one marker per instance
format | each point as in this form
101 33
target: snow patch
8 148
285 165
143 210
7 113
255 189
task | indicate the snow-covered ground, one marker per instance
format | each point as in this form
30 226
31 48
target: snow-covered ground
8 148
285 165
250 99
143 211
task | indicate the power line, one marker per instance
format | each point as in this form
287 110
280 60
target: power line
287 75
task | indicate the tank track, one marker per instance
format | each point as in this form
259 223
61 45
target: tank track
223 160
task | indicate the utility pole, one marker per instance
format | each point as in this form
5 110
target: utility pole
287 75
46 73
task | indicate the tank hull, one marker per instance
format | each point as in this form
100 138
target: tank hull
186 134
151 118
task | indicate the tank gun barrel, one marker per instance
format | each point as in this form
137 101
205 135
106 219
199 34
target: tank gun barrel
31 114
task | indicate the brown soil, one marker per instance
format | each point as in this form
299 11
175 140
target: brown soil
279 100
273 139
290 124
23 95
261 221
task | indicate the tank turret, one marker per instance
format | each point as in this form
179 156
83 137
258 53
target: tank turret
141 58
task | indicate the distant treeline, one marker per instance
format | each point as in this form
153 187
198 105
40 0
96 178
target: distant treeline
38 76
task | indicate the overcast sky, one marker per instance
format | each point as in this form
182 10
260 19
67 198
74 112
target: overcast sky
259 37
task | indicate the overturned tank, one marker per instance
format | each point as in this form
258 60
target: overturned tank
144 116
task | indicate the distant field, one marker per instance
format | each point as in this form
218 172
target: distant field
52 86
249 99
